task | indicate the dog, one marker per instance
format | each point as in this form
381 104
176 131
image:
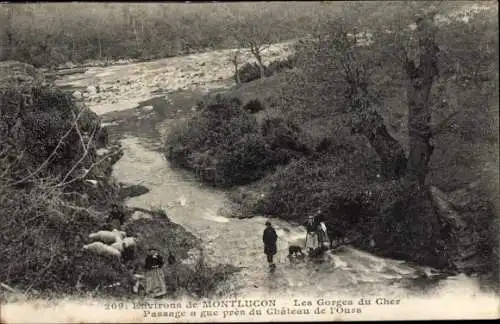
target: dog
295 251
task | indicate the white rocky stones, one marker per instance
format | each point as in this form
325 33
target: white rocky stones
182 201
92 90
139 215
92 182
77 95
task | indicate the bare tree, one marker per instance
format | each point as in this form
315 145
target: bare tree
236 60
256 34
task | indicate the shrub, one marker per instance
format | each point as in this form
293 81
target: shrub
328 181
49 128
224 145
281 65
253 106
42 238
284 135
249 72
212 140
95 32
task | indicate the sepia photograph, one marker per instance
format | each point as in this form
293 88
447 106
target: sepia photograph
249 161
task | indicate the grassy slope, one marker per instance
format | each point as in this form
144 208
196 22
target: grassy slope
464 152
44 229
460 157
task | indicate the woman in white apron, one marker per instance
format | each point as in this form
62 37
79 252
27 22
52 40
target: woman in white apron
155 278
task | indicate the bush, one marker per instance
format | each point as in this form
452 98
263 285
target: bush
224 145
281 65
47 207
253 106
328 180
45 124
251 71
42 239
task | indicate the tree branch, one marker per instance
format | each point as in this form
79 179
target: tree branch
439 128
104 158
85 150
44 163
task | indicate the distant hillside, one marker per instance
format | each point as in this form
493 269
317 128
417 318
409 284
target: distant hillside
46 34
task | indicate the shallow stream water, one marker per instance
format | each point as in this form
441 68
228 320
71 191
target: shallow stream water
141 101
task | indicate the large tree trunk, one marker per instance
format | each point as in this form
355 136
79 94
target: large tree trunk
371 125
462 241
420 80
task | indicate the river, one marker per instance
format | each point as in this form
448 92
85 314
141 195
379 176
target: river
140 102
124 101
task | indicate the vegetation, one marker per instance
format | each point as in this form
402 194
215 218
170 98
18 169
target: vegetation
224 145
48 151
362 88
397 124
54 34
252 71
56 189
197 278
386 117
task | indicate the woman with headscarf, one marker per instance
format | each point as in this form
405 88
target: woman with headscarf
155 278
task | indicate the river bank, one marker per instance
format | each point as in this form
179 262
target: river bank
47 222
237 242
141 124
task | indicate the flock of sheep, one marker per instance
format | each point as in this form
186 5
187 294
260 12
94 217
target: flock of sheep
110 243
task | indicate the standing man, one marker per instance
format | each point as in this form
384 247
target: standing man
269 238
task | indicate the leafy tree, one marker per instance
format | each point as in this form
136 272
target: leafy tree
405 44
